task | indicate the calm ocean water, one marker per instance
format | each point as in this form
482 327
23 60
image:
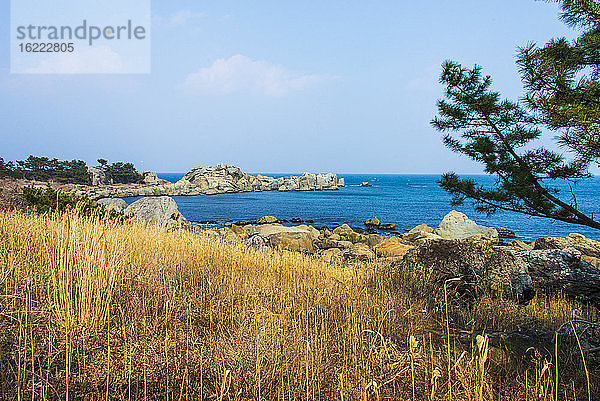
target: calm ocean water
406 200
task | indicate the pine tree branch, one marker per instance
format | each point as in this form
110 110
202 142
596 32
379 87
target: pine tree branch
585 220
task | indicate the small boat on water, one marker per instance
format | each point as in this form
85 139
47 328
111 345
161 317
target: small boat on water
366 184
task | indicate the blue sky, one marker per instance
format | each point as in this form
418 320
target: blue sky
276 86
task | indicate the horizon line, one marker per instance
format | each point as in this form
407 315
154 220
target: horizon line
368 173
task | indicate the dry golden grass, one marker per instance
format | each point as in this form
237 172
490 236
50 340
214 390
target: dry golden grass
98 310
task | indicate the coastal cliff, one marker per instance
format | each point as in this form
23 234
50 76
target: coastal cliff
220 179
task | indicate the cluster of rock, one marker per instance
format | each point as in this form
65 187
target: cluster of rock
374 222
225 178
220 179
468 255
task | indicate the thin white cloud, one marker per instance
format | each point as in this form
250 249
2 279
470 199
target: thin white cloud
94 60
427 79
179 18
241 74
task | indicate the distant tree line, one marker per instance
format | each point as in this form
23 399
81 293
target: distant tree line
63 171
46 169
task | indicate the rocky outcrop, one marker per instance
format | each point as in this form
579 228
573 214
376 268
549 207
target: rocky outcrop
457 225
516 271
161 211
563 270
326 181
590 249
374 222
117 204
151 178
220 179
225 178
96 175
469 268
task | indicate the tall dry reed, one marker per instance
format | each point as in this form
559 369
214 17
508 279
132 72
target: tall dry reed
99 310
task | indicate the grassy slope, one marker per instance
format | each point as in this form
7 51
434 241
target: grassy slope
107 311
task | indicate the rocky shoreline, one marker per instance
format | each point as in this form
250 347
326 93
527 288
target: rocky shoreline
470 256
220 179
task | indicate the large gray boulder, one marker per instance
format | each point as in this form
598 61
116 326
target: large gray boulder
457 225
468 268
563 271
117 204
160 210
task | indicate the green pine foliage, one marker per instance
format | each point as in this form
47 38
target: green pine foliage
39 168
121 173
562 81
46 169
6 168
563 95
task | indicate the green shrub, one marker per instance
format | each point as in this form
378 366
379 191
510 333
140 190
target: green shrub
49 200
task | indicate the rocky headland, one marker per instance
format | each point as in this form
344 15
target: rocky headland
220 179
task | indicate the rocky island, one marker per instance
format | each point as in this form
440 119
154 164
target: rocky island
220 179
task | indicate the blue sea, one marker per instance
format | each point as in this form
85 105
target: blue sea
405 200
